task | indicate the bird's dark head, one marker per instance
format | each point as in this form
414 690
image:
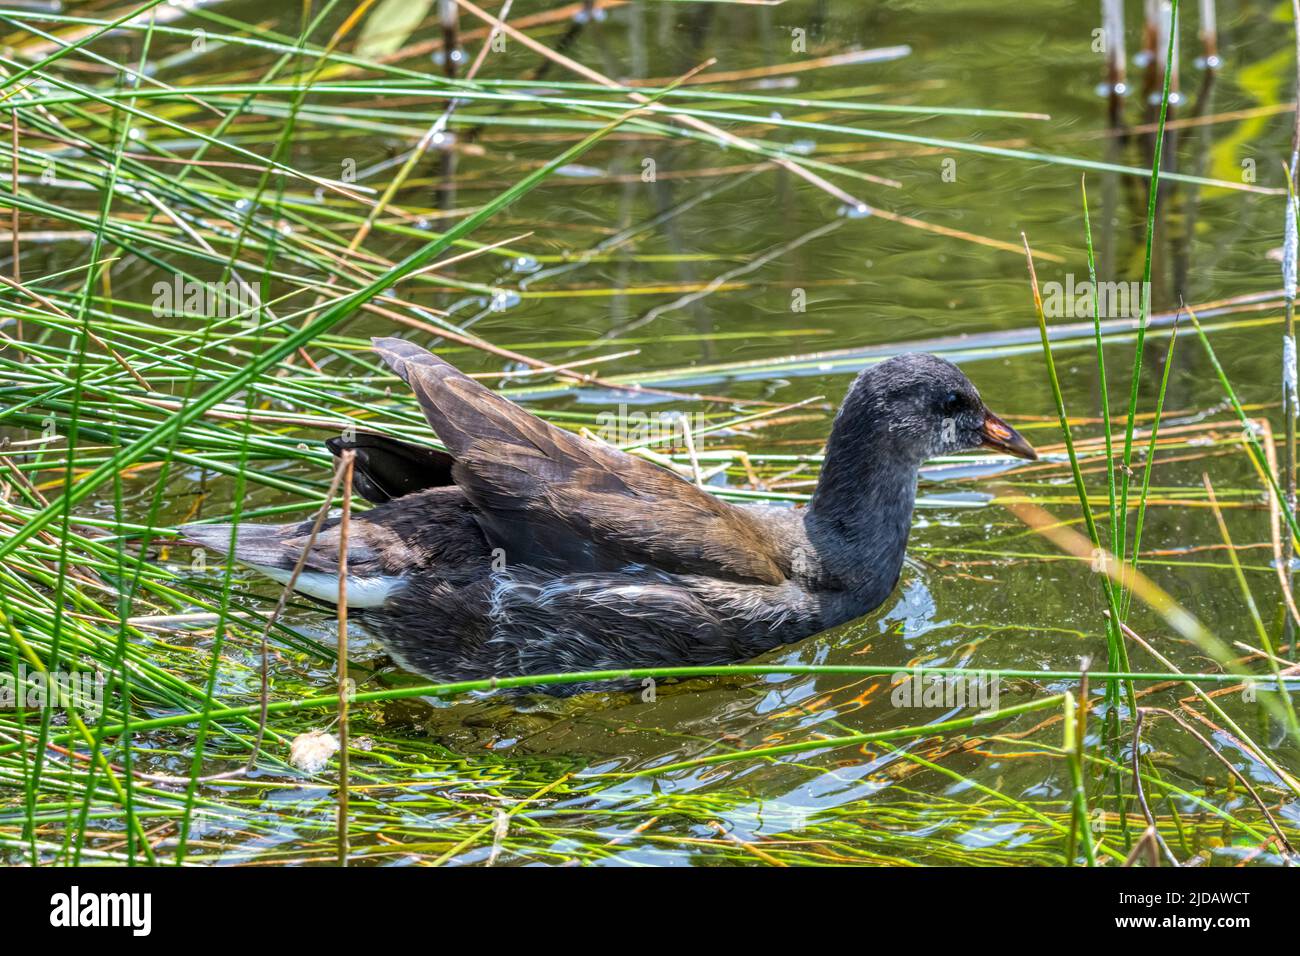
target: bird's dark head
916 406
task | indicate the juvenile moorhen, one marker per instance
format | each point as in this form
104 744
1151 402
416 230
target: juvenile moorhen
527 549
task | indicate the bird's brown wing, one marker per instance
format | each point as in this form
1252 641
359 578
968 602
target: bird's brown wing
552 499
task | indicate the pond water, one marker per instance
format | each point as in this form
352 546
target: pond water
732 277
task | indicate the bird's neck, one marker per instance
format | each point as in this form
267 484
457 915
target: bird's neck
861 513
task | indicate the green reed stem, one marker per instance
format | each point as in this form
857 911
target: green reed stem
1150 462
1072 745
1153 193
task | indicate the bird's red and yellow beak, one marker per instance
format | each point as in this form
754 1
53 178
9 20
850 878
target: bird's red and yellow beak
999 436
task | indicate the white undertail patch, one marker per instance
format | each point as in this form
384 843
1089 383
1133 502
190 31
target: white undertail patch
369 591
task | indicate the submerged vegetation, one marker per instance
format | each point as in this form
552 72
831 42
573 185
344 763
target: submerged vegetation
680 241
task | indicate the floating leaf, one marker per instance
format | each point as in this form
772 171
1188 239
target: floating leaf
389 27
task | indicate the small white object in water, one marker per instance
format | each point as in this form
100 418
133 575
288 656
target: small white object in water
310 752
503 299
860 211
578 171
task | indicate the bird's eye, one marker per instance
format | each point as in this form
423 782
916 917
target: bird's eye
951 404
